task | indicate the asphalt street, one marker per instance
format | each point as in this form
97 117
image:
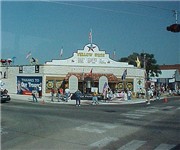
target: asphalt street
34 126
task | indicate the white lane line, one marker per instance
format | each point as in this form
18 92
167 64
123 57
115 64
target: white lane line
178 108
95 127
146 111
168 107
133 145
165 146
133 115
90 130
103 142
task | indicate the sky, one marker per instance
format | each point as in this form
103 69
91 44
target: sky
126 27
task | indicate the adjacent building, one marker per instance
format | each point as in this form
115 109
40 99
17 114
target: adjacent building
169 78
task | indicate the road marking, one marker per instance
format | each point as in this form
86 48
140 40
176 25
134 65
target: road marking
103 142
133 145
178 108
168 107
133 115
140 113
147 111
95 127
90 130
165 147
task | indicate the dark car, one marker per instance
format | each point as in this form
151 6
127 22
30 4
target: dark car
4 96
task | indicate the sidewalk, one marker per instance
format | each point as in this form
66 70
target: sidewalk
47 99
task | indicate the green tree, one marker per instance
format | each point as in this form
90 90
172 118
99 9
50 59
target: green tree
147 61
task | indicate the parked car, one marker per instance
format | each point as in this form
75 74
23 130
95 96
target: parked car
4 96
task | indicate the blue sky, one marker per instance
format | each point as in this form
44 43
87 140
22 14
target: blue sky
43 27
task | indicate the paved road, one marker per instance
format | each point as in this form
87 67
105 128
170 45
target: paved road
35 126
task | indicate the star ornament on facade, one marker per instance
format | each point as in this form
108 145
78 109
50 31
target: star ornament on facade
91 48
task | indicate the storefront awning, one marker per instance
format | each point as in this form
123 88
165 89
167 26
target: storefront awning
94 76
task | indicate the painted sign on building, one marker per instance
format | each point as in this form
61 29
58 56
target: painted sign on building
26 84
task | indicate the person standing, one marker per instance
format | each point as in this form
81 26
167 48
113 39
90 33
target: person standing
67 94
94 98
52 95
158 94
78 97
60 94
40 90
148 94
129 93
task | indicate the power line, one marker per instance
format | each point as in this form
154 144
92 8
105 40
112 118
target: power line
98 8
155 7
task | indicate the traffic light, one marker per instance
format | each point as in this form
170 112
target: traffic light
174 28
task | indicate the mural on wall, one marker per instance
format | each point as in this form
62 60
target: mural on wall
53 82
140 83
125 85
26 84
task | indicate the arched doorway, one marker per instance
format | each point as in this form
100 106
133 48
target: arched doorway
88 83
102 81
73 83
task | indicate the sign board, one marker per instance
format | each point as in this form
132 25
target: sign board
29 69
26 84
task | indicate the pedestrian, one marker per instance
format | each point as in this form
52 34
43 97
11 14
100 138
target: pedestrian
129 93
67 94
78 97
40 90
125 95
95 98
60 94
148 94
158 94
110 95
52 94
105 94
34 92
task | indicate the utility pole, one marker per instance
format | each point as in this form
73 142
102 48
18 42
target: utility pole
145 73
144 61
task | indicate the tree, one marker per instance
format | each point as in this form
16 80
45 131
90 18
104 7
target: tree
147 61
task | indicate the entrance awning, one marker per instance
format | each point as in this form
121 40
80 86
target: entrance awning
94 76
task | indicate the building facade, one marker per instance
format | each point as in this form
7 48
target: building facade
88 69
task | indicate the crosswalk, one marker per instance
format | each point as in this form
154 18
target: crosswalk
139 113
103 137
131 145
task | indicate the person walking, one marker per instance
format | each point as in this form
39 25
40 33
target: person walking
34 92
52 95
78 97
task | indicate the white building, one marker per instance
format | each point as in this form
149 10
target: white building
88 68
